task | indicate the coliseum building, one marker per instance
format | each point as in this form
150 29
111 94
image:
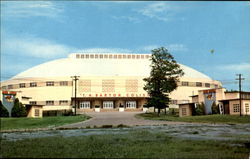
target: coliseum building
105 80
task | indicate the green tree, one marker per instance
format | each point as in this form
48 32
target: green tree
3 111
215 108
18 109
200 109
164 75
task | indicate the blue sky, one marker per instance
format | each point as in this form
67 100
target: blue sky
36 32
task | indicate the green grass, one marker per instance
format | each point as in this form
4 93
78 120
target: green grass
135 144
227 119
30 123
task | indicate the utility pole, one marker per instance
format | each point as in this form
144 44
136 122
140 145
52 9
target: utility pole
75 78
240 87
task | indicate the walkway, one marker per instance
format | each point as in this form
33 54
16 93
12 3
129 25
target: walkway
115 118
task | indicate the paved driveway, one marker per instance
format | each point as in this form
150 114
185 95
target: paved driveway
116 118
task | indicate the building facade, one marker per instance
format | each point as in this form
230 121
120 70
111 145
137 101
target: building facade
106 81
227 101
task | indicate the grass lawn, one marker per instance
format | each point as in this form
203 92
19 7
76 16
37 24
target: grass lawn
227 119
135 144
29 123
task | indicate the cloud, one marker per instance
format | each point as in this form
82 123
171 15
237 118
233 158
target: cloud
170 47
236 67
104 50
162 11
27 9
128 18
33 47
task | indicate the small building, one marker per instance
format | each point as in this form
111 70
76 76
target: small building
227 101
8 98
186 109
34 111
232 106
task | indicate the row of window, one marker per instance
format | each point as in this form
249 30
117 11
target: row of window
34 84
111 56
51 102
197 84
107 104
66 83
236 108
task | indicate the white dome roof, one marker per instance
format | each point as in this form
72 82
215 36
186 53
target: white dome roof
98 67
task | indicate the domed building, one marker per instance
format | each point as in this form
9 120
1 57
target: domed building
106 80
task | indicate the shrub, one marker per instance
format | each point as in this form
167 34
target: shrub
173 111
18 109
215 108
200 109
3 111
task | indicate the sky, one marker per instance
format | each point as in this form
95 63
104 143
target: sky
34 32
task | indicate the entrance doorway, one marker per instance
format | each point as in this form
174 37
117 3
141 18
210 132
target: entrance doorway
108 105
85 105
131 104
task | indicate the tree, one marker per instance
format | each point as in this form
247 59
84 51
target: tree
200 109
215 108
18 109
3 111
164 75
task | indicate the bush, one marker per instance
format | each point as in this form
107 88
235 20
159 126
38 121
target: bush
173 111
3 111
215 109
200 109
18 109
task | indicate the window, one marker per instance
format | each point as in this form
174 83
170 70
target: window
236 108
63 83
207 84
33 102
101 56
91 56
184 111
10 86
131 104
133 56
85 105
22 85
173 101
247 107
184 83
198 84
82 56
96 56
50 102
37 112
105 56
108 104
33 84
77 56
115 56
215 86
110 56
63 102
137 56
124 56
142 56
87 56
4 87
50 83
